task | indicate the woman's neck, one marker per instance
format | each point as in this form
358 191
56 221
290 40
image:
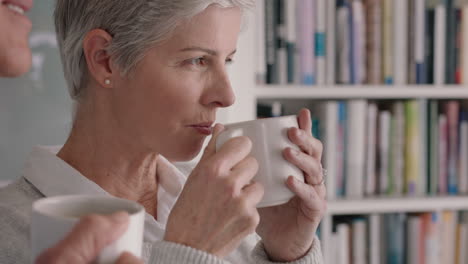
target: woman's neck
112 163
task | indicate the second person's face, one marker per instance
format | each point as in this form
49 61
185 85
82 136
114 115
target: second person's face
15 26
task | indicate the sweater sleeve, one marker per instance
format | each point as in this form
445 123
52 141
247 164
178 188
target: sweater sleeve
164 252
314 256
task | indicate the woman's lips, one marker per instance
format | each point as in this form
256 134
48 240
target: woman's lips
205 130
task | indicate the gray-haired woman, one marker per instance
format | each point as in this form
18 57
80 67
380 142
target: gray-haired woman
147 78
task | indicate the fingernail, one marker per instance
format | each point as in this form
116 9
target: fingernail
120 217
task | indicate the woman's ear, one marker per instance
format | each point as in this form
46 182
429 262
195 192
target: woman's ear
98 60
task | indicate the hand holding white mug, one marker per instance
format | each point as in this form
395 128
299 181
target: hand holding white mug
288 230
217 207
87 239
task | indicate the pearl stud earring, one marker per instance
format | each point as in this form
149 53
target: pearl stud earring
107 81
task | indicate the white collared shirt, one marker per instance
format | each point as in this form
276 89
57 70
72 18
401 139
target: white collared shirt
52 176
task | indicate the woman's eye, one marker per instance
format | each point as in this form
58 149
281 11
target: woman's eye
197 61
229 61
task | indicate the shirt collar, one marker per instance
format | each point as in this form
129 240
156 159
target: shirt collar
53 177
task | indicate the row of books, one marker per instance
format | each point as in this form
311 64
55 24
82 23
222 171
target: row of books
412 147
425 238
316 42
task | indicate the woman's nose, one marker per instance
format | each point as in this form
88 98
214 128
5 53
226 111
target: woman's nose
220 92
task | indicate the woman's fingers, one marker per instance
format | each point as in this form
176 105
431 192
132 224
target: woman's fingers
87 239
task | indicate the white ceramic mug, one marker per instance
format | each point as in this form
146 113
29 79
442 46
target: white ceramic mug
54 217
269 138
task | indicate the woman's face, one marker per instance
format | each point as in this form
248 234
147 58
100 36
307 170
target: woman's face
15 55
169 104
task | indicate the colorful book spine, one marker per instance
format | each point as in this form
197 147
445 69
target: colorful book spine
358 33
320 41
383 145
306 40
398 148
370 179
412 148
341 149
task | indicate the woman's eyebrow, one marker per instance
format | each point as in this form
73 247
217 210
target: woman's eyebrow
209 51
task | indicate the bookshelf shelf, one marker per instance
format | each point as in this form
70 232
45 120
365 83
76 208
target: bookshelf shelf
393 205
361 91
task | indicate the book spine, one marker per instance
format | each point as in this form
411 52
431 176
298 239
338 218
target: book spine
331 42
464 46
306 40
433 146
281 49
463 158
419 53
374 41
384 143
320 41
270 40
412 147
452 112
290 6
260 40
387 41
343 44
371 149
440 37
356 125
443 154
400 39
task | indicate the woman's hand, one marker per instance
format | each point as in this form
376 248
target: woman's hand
87 239
217 207
288 230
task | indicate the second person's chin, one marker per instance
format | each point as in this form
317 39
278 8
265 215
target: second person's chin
15 66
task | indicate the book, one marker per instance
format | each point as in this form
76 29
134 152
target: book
291 38
270 43
359 240
373 41
443 155
464 45
344 247
355 157
260 41
412 148
331 42
384 149
440 36
357 36
414 241
419 43
281 47
320 41
343 15
433 147
463 158
398 148
371 151
376 238
306 40
400 42
452 109
387 42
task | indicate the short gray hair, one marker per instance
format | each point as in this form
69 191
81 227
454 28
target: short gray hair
135 26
